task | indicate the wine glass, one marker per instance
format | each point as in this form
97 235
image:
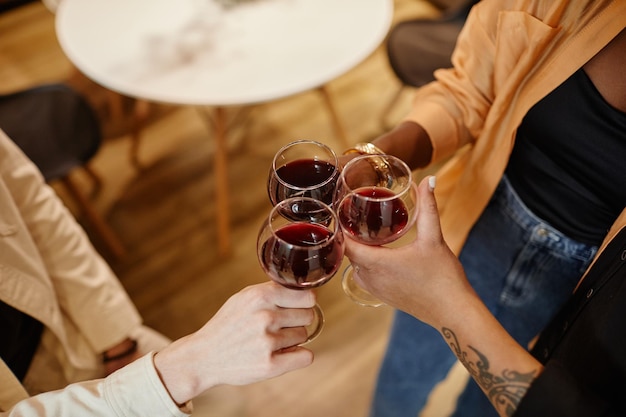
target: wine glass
303 168
375 201
299 252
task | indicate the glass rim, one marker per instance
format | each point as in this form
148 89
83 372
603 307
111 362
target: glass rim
334 163
405 187
335 230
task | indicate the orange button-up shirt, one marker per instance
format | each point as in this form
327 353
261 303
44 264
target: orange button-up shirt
509 55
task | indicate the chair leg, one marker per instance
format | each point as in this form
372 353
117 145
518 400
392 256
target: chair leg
95 178
221 184
334 116
141 111
109 237
115 105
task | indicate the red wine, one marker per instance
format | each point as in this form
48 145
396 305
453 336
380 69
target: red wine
303 255
301 174
376 219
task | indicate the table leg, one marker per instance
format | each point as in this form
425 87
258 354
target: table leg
387 110
222 206
337 124
141 111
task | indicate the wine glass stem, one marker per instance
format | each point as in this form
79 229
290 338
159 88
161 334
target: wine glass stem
316 326
356 292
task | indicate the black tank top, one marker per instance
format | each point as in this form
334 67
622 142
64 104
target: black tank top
568 163
20 338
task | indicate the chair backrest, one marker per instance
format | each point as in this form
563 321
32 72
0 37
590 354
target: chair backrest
416 48
451 6
54 125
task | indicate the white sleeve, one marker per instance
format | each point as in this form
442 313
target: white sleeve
135 390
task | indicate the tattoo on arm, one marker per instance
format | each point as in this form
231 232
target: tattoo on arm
505 391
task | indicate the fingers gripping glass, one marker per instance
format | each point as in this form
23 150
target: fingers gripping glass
375 201
299 252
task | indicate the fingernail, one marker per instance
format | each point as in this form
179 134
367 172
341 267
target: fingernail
432 181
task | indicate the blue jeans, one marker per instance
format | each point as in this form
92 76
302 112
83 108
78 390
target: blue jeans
521 267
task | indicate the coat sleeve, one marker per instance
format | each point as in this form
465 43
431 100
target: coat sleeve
134 390
86 288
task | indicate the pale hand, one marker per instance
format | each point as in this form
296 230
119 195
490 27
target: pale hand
253 337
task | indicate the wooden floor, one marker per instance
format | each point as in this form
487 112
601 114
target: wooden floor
164 214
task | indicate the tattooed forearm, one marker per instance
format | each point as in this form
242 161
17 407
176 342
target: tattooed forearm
506 390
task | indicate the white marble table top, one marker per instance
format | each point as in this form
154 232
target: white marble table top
198 52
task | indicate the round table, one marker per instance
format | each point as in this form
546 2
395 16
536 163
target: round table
206 53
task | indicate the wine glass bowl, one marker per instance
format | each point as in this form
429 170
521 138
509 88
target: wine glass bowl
374 215
303 168
295 249
375 200
299 252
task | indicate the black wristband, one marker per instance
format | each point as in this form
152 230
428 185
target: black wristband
132 349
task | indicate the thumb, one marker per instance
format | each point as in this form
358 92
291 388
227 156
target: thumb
428 227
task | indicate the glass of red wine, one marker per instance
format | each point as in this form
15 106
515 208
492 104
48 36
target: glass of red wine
303 168
299 252
375 201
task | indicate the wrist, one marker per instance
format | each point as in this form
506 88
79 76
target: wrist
126 348
158 366
364 148
379 163
409 142
178 373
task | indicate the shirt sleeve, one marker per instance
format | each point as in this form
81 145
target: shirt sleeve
453 108
556 393
135 390
498 47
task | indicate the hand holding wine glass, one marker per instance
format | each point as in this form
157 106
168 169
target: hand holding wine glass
375 200
299 252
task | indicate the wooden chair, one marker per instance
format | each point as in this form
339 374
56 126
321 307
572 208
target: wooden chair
58 130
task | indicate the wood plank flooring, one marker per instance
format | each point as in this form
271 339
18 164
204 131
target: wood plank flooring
164 214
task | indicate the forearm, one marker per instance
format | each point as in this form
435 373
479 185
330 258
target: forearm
501 367
409 142
425 279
